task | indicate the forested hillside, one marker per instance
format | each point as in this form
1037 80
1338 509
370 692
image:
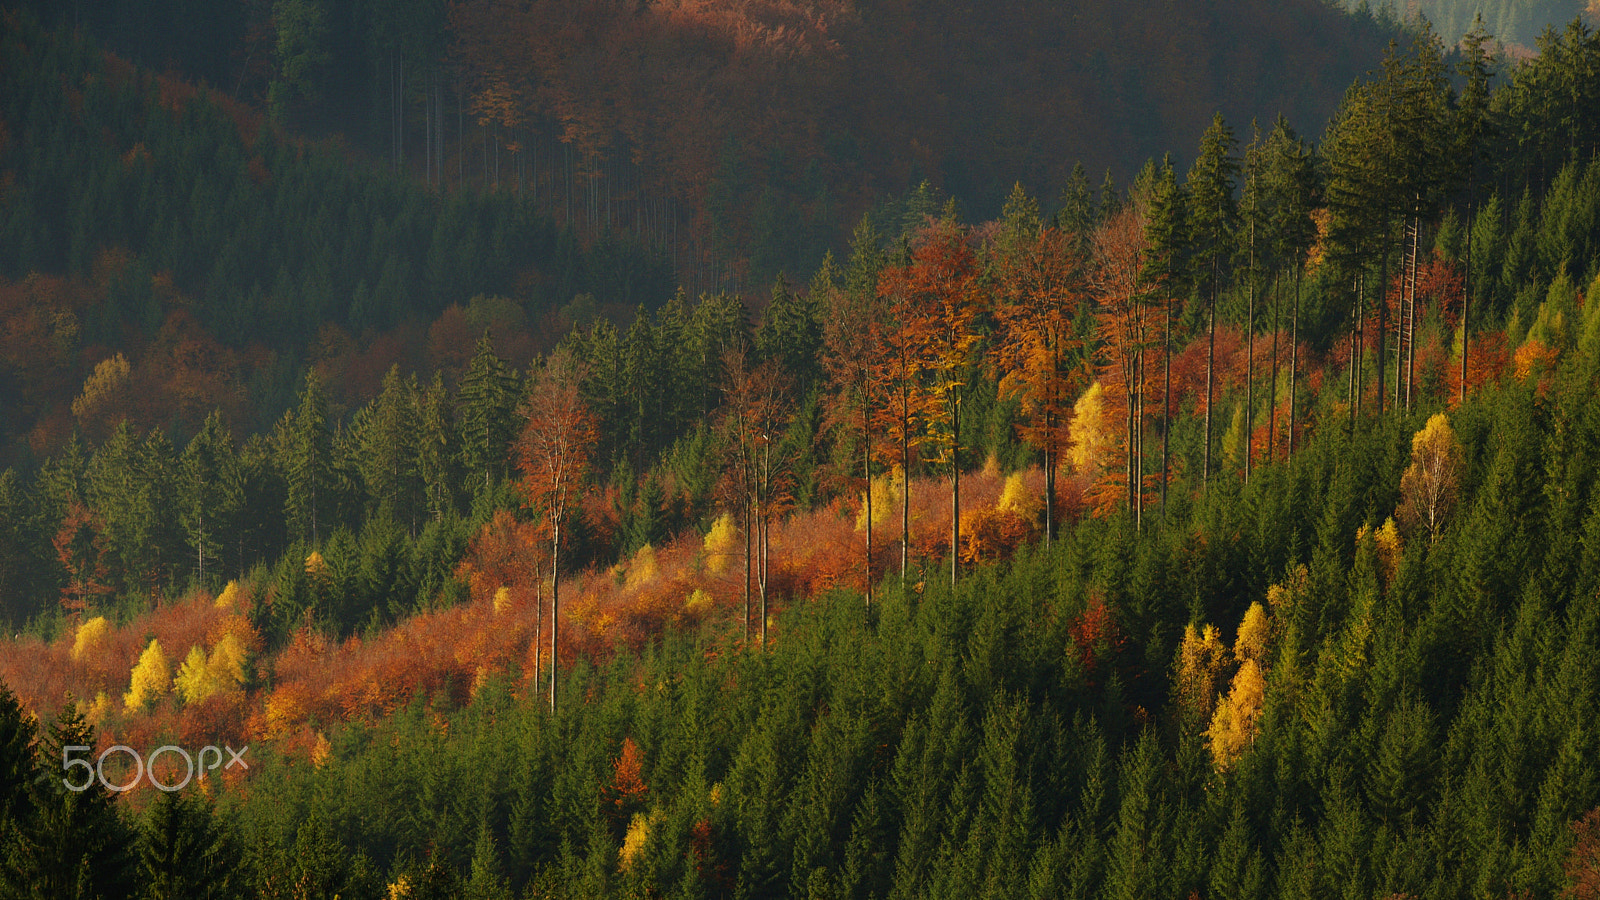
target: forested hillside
1228 533
746 137
1515 22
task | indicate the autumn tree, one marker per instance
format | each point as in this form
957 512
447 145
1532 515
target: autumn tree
847 361
1119 246
1429 485
755 412
897 372
938 290
553 454
1040 278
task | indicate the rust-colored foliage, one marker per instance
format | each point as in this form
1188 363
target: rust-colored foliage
627 791
1582 865
1126 332
1095 634
936 305
757 481
80 548
553 456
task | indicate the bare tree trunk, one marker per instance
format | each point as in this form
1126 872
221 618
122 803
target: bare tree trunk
1383 323
905 501
955 490
555 610
749 522
1250 363
1166 396
1211 358
1466 305
866 469
1411 332
1272 380
1294 357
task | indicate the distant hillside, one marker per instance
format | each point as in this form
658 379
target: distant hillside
748 137
1518 22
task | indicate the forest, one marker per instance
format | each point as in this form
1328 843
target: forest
742 138
1228 530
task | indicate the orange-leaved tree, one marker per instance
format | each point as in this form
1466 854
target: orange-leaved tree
1119 245
854 396
755 412
897 370
1040 279
553 454
938 290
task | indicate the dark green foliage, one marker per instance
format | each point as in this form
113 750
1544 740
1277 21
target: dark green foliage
186 853
64 843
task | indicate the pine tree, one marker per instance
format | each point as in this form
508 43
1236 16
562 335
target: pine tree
1288 193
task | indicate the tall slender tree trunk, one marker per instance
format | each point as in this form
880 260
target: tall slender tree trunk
1166 395
955 487
1383 323
905 489
1211 360
866 470
555 609
1272 388
749 524
1138 428
1250 362
1466 299
1294 357
1411 330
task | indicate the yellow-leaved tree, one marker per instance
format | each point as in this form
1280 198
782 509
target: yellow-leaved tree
1233 724
1429 485
1089 437
151 680
90 637
1233 727
1201 659
201 676
103 388
722 541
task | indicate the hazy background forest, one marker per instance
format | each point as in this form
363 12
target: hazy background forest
1070 451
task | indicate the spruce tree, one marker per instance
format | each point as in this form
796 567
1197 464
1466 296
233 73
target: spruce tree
1213 215
185 853
210 493
305 456
69 844
487 401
